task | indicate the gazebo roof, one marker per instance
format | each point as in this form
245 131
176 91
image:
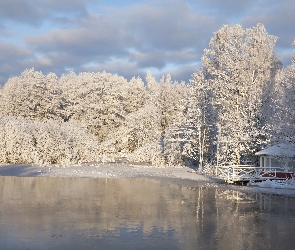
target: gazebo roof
283 150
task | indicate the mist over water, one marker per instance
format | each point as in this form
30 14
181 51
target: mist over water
80 213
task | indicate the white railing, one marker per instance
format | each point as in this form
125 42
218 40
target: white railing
235 173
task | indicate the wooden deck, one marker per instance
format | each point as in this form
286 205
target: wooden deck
246 173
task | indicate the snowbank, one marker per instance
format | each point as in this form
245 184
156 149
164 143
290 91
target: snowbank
286 184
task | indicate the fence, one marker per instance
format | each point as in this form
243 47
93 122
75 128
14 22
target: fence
238 173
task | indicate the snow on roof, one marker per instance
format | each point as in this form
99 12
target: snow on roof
278 150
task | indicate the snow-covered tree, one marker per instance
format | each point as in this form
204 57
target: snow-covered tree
285 131
171 101
168 97
200 127
32 95
240 67
140 128
144 129
94 100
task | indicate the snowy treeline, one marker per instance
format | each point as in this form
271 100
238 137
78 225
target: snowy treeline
82 118
239 101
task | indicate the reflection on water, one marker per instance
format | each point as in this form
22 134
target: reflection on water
80 213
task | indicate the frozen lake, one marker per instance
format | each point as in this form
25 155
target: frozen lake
85 213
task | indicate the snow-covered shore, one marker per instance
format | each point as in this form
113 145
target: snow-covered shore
101 170
264 187
135 170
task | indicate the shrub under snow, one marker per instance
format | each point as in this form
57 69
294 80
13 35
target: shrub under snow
152 153
23 141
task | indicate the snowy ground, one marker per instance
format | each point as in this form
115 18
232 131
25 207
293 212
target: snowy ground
102 170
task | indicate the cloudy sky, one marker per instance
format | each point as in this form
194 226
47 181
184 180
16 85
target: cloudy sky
128 37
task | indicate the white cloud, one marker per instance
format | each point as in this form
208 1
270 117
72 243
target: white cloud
145 36
134 37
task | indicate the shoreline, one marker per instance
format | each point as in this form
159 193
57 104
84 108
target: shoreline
182 175
101 170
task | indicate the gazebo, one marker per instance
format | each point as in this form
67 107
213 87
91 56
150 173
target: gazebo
278 156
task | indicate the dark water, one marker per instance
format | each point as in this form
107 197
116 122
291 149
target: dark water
77 213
